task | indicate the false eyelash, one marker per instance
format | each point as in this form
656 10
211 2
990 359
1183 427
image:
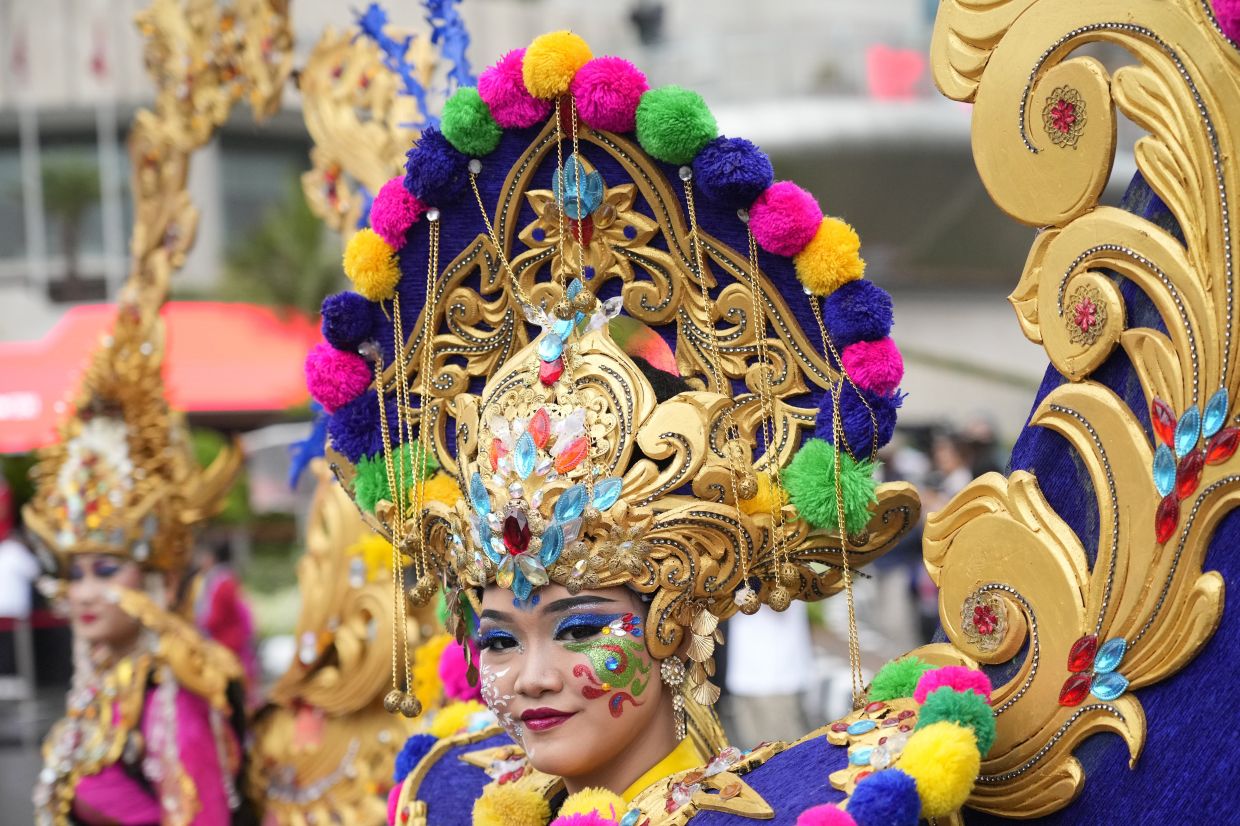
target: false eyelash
597 621
487 639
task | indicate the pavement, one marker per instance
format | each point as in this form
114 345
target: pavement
23 723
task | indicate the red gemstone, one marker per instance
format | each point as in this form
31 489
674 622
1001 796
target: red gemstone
498 451
984 620
875 706
907 713
839 728
572 455
1166 518
1188 474
862 775
540 427
1163 421
890 721
566 117
549 372
582 230
1074 689
1222 445
906 727
1081 656
516 533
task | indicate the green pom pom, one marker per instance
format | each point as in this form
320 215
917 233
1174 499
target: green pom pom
810 482
468 125
673 124
371 482
965 708
897 679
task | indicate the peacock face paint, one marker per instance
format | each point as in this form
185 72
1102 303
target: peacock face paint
619 667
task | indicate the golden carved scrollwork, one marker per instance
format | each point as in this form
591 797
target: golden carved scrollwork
1013 575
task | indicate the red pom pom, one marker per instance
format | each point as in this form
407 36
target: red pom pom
827 815
874 365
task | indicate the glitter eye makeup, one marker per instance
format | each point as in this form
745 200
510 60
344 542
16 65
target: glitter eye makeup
619 666
496 640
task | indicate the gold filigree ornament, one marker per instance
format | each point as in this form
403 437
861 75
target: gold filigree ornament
1144 607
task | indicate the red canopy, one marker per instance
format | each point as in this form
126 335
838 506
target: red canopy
221 358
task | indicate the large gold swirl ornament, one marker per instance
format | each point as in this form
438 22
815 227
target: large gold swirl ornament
1012 573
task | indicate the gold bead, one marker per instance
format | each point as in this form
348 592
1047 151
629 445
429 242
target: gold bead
590 515
391 702
564 310
410 706
751 603
789 576
747 487
779 598
584 301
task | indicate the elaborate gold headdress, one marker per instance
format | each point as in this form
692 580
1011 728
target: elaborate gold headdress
651 434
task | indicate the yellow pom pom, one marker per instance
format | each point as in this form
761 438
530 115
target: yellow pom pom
376 554
551 61
454 718
944 760
831 259
607 803
511 805
441 488
426 682
371 265
765 500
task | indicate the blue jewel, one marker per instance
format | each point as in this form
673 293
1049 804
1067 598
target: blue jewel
571 503
539 233
583 191
861 727
551 346
1109 686
552 545
612 663
1187 431
574 287
577 319
631 817
521 587
562 328
860 756
524 455
1110 655
1216 413
630 232
588 272
607 492
478 495
1164 470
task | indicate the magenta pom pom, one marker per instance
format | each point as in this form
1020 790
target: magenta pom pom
502 88
393 800
1227 13
335 377
784 218
583 819
827 815
453 672
395 210
957 677
607 91
874 365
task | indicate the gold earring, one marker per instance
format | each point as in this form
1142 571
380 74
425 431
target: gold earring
672 670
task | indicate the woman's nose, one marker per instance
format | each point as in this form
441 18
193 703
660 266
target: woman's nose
539 674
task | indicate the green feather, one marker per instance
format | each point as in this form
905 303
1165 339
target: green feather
810 482
897 678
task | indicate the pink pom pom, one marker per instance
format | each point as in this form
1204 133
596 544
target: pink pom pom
334 377
393 800
453 673
583 819
874 365
784 218
1227 13
827 815
502 88
394 210
607 91
956 677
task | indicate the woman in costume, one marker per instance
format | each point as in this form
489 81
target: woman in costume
633 462
152 731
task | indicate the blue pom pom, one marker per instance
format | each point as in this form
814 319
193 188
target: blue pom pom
411 754
855 417
857 311
354 427
733 171
348 320
885 798
435 172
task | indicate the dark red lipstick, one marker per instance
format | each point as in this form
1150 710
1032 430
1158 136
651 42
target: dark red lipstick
543 719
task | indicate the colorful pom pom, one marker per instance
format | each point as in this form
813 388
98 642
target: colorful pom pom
335 377
944 761
825 815
503 88
673 124
868 419
454 718
415 748
607 91
348 320
354 428
876 366
964 708
370 484
440 488
435 172
831 258
784 218
885 798
395 210
732 171
511 805
454 673
551 61
370 263
958 677
897 678
1227 13
468 125
764 501
810 482
426 683
587 819
857 311
595 801
393 801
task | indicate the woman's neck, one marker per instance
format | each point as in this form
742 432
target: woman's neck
642 755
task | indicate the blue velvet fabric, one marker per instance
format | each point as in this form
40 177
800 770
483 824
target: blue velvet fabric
451 786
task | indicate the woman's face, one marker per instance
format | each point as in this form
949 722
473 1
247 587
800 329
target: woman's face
569 676
96 617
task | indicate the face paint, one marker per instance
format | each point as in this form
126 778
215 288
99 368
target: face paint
498 703
618 666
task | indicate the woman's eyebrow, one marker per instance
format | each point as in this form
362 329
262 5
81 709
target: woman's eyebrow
498 616
573 602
